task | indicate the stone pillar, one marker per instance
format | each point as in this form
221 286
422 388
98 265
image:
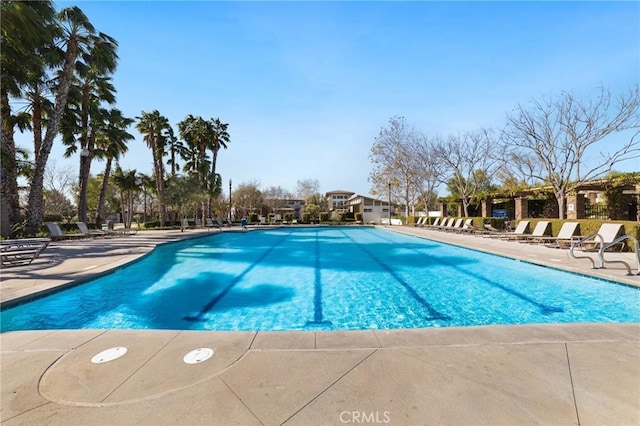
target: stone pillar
487 207
442 210
460 209
522 208
638 202
576 206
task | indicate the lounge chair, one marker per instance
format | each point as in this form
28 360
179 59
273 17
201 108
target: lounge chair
58 234
542 228
84 229
457 225
419 221
521 229
435 223
125 231
211 224
447 223
467 226
607 233
19 256
568 234
21 251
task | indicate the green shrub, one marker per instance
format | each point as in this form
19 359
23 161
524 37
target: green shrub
496 222
53 218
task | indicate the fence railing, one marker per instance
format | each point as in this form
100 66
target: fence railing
596 211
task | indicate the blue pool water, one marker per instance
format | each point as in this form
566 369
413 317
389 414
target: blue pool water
324 279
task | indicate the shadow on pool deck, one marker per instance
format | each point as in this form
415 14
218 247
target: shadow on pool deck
543 374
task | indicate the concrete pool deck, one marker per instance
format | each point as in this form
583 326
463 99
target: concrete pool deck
530 374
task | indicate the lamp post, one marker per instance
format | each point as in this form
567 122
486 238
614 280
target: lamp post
82 213
229 200
389 203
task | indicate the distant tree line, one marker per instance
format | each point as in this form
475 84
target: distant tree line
546 143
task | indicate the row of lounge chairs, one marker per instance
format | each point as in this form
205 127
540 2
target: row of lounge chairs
84 232
568 235
24 251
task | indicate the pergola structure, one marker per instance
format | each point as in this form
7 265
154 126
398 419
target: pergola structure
576 201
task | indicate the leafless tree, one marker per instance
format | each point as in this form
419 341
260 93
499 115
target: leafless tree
393 155
561 132
247 198
470 160
276 196
429 169
58 179
518 171
307 188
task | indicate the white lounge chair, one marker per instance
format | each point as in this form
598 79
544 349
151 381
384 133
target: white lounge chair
521 229
58 234
457 225
541 229
607 233
447 223
435 223
467 226
568 234
84 230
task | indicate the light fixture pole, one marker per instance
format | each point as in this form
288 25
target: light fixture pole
229 200
389 203
82 213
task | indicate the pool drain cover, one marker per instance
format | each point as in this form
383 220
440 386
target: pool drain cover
109 355
198 355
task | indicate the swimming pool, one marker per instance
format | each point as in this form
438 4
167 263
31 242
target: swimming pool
324 278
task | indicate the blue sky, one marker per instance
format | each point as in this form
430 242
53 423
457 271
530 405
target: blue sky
306 86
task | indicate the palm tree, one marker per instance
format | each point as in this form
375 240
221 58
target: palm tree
202 136
128 186
111 141
175 148
76 32
197 134
148 185
154 127
27 30
220 140
90 90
